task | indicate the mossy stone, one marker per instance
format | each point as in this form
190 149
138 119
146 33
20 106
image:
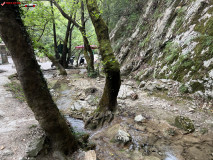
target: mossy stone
184 123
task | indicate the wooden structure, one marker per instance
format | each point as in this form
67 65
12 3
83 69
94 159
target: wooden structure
3 54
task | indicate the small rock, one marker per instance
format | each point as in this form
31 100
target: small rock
142 84
191 110
90 155
139 118
122 136
2 147
134 96
184 123
130 83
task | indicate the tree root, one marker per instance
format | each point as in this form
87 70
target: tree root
99 119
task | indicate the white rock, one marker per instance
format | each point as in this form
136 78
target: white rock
122 136
90 155
139 118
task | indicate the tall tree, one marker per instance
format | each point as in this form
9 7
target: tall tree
17 40
54 32
88 54
87 47
108 102
65 48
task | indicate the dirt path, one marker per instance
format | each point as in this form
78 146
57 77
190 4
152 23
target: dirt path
16 120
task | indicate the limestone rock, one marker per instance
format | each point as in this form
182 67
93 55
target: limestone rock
125 91
122 136
139 118
92 100
35 147
184 123
90 155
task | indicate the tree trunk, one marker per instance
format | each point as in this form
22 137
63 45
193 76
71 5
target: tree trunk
54 32
65 50
108 102
87 48
70 44
57 64
13 33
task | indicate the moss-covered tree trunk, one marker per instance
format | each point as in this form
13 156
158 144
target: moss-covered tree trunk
14 34
108 102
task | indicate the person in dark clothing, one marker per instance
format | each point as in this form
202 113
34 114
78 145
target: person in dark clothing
72 60
81 61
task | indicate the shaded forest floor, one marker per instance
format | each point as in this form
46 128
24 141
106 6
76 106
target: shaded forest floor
77 97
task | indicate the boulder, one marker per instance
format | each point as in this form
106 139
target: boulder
125 91
184 123
35 146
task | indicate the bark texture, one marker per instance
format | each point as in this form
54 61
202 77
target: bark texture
35 88
108 102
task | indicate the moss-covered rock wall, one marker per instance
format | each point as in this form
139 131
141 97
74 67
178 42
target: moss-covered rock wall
172 39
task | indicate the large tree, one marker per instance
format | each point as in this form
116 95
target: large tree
108 102
17 40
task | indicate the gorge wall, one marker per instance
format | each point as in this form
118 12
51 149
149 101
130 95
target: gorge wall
171 39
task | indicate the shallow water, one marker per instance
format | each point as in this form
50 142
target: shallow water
78 125
170 156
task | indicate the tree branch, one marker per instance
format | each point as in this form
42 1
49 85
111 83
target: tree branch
42 31
66 15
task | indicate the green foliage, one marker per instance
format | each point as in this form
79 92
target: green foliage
157 14
92 74
145 41
40 17
113 10
17 90
180 19
171 52
183 89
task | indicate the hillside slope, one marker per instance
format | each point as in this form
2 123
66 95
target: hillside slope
171 39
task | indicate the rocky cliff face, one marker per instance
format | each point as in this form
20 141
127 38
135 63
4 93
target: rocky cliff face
172 39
